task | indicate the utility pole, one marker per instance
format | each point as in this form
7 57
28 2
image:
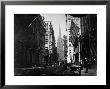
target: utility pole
79 44
79 51
79 47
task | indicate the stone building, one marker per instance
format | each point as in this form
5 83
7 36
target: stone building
49 41
85 41
29 40
49 37
89 37
71 36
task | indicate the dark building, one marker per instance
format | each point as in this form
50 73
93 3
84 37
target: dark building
29 40
89 37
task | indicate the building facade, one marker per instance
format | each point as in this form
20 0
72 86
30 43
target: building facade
89 37
49 41
38 40
49 37
84 38
74 31
73 26
29 40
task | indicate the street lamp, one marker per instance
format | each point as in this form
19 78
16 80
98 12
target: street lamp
79 46
79 34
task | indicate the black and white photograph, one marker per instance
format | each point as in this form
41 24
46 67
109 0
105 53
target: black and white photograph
55 44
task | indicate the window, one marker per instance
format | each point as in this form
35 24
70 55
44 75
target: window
69 44
46 47
69 40
46 41
46 34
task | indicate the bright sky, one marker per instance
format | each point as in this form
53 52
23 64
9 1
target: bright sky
57 20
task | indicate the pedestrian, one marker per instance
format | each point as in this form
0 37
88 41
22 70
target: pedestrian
86 65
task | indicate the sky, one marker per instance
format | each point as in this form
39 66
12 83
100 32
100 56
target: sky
58 20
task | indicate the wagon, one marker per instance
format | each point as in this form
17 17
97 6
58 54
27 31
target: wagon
74 68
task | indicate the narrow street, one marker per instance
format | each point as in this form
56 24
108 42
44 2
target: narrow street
91 72
55 45
52 71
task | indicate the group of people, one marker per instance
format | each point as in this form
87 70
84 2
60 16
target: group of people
66 66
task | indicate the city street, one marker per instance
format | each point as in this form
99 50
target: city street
55 45
91 72
52 71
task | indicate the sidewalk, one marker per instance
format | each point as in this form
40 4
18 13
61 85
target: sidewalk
91 72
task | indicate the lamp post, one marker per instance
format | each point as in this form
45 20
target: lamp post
79 34
79 46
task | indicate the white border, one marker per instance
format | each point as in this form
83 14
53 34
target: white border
100 79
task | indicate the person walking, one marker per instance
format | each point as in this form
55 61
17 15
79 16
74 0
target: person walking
86 65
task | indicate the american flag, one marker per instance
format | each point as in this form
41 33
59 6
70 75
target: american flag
73 32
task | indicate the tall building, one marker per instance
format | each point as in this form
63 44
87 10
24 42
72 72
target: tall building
85 41
29 40
49 37
60 49
71 48
38 40
74 38
89 36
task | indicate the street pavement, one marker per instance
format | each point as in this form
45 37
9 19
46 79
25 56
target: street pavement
51 71
91 72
